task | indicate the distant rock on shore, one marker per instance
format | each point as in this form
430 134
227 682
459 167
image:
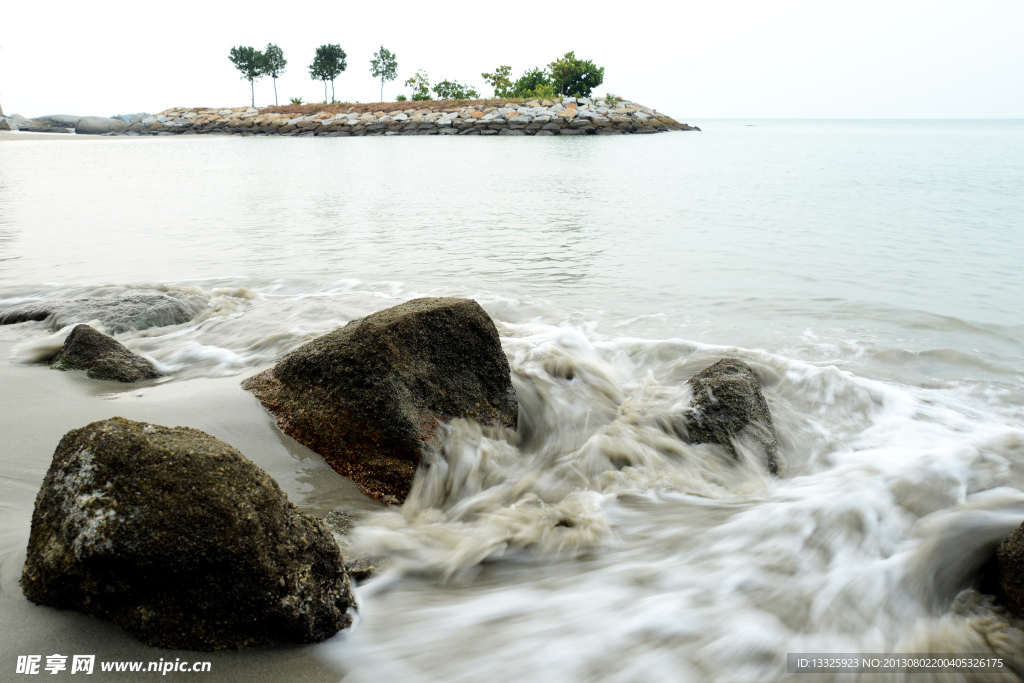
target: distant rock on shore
98 125
66 123
568 116
116 313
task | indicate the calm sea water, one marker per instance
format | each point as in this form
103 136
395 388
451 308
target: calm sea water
868 271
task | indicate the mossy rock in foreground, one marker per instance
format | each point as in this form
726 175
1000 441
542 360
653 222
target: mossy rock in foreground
727 406
102 357
368 397
180 540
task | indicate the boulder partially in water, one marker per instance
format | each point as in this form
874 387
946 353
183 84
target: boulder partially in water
115 313
102 357
728 406
180 540
368 397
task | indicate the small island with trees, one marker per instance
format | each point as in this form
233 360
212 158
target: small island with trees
554 100
557 99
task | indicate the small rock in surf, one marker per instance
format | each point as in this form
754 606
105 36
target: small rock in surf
101 357
368 397
180 540
728 405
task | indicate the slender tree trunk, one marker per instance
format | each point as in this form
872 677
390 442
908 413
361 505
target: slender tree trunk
275 92
382 90
252 85
332 91
325 91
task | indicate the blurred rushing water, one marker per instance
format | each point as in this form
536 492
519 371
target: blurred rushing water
869 272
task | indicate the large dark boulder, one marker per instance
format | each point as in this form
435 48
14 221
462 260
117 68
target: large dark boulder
115 313
368 396
728 406
102 357
180 540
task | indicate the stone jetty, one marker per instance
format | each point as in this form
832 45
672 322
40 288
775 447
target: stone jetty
566 116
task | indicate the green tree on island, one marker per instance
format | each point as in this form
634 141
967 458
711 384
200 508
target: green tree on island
249 61
575 77
420 84
274 64
453 90
384 66
327 65
500 81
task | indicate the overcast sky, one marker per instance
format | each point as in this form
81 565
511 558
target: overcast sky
717 59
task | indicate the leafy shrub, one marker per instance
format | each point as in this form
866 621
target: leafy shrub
544 91
401 98
611 100
297 100
528 83
420 84
453 90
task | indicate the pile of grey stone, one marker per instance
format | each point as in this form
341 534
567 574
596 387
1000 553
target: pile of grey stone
567 116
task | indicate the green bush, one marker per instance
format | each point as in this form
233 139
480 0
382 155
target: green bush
401 98
297 100
544 91
528 83
453 90
421 97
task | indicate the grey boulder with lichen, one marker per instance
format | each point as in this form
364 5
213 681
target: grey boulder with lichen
176 537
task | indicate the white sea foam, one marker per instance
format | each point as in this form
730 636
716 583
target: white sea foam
878 310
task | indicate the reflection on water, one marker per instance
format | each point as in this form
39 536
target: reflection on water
918 215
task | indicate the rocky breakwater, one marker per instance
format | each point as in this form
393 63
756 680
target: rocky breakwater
182 541
369 397
568 116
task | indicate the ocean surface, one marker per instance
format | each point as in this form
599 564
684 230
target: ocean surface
870 272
